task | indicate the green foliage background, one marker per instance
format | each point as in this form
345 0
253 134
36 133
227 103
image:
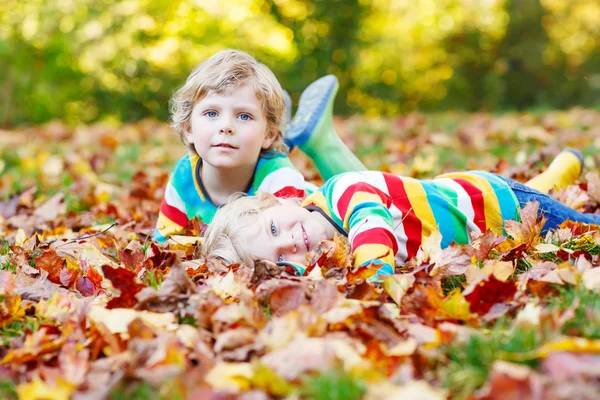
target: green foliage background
87 60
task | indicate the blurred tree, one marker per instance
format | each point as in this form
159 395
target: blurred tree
326 35
84 60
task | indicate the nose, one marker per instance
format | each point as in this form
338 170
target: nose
226 131
288 244
227 126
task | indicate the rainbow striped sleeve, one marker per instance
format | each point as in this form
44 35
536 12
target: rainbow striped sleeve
359 203
179 198
277 175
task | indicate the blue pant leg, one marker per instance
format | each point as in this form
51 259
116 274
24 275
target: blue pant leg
554 211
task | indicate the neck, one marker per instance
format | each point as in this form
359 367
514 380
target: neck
330 229
221 183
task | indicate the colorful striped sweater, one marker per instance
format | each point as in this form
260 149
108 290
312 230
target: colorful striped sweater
186 198
387 217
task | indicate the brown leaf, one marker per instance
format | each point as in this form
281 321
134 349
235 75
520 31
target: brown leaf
514 382
325 296
132 256
572 196
593 185
453 260
286 298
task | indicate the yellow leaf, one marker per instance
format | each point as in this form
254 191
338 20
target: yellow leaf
226 287
118 319
431 248
501 270
546 248
39 390
184 240
266 379
455 306
405 348
565 343
397 285
20 237
230 377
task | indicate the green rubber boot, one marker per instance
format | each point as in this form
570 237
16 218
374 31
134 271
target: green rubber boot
313 132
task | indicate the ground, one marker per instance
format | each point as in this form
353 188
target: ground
91 306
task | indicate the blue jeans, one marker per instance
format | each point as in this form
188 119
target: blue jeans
555 211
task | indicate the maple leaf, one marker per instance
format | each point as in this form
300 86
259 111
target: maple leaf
325 296
593 185
51 262
453 260
11 308
132 256
282 296
572 196
483 295
525 234
125 281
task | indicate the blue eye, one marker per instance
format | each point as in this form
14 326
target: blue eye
245 117
211 114
273 229
280 258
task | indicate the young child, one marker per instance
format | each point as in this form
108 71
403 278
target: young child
230 114
385 218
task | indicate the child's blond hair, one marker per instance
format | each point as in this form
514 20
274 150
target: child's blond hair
224 71
223 239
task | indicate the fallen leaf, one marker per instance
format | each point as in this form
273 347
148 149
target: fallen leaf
485 294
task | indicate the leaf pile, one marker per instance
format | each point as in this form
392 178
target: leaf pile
94 309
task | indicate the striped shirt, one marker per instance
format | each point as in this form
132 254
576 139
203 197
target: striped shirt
387 217
186 198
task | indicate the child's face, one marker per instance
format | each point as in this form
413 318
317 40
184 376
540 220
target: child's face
286 233
228 130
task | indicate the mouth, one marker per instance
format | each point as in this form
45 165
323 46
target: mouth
305 238
224 146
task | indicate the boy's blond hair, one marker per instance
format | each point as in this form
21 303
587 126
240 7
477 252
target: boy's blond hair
222 239
220 73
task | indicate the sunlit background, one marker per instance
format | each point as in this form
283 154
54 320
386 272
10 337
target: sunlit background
90 60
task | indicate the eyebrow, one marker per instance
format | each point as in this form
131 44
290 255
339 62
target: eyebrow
247 109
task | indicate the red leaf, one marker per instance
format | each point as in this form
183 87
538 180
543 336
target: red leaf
488 293
125 281
52 263
132 259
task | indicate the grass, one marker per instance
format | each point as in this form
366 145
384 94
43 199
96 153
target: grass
136 390
8 390
586 321
19 328
332 385
468 364
451 283
153 278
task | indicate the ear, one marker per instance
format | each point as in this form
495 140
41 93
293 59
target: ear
270 137
187 132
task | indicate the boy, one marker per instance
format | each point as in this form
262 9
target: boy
385 218
230 114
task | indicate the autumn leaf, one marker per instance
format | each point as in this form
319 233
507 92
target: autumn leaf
39 390
51 262
483 295
126 282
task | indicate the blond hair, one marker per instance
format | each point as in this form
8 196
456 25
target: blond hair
223 239
220 73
